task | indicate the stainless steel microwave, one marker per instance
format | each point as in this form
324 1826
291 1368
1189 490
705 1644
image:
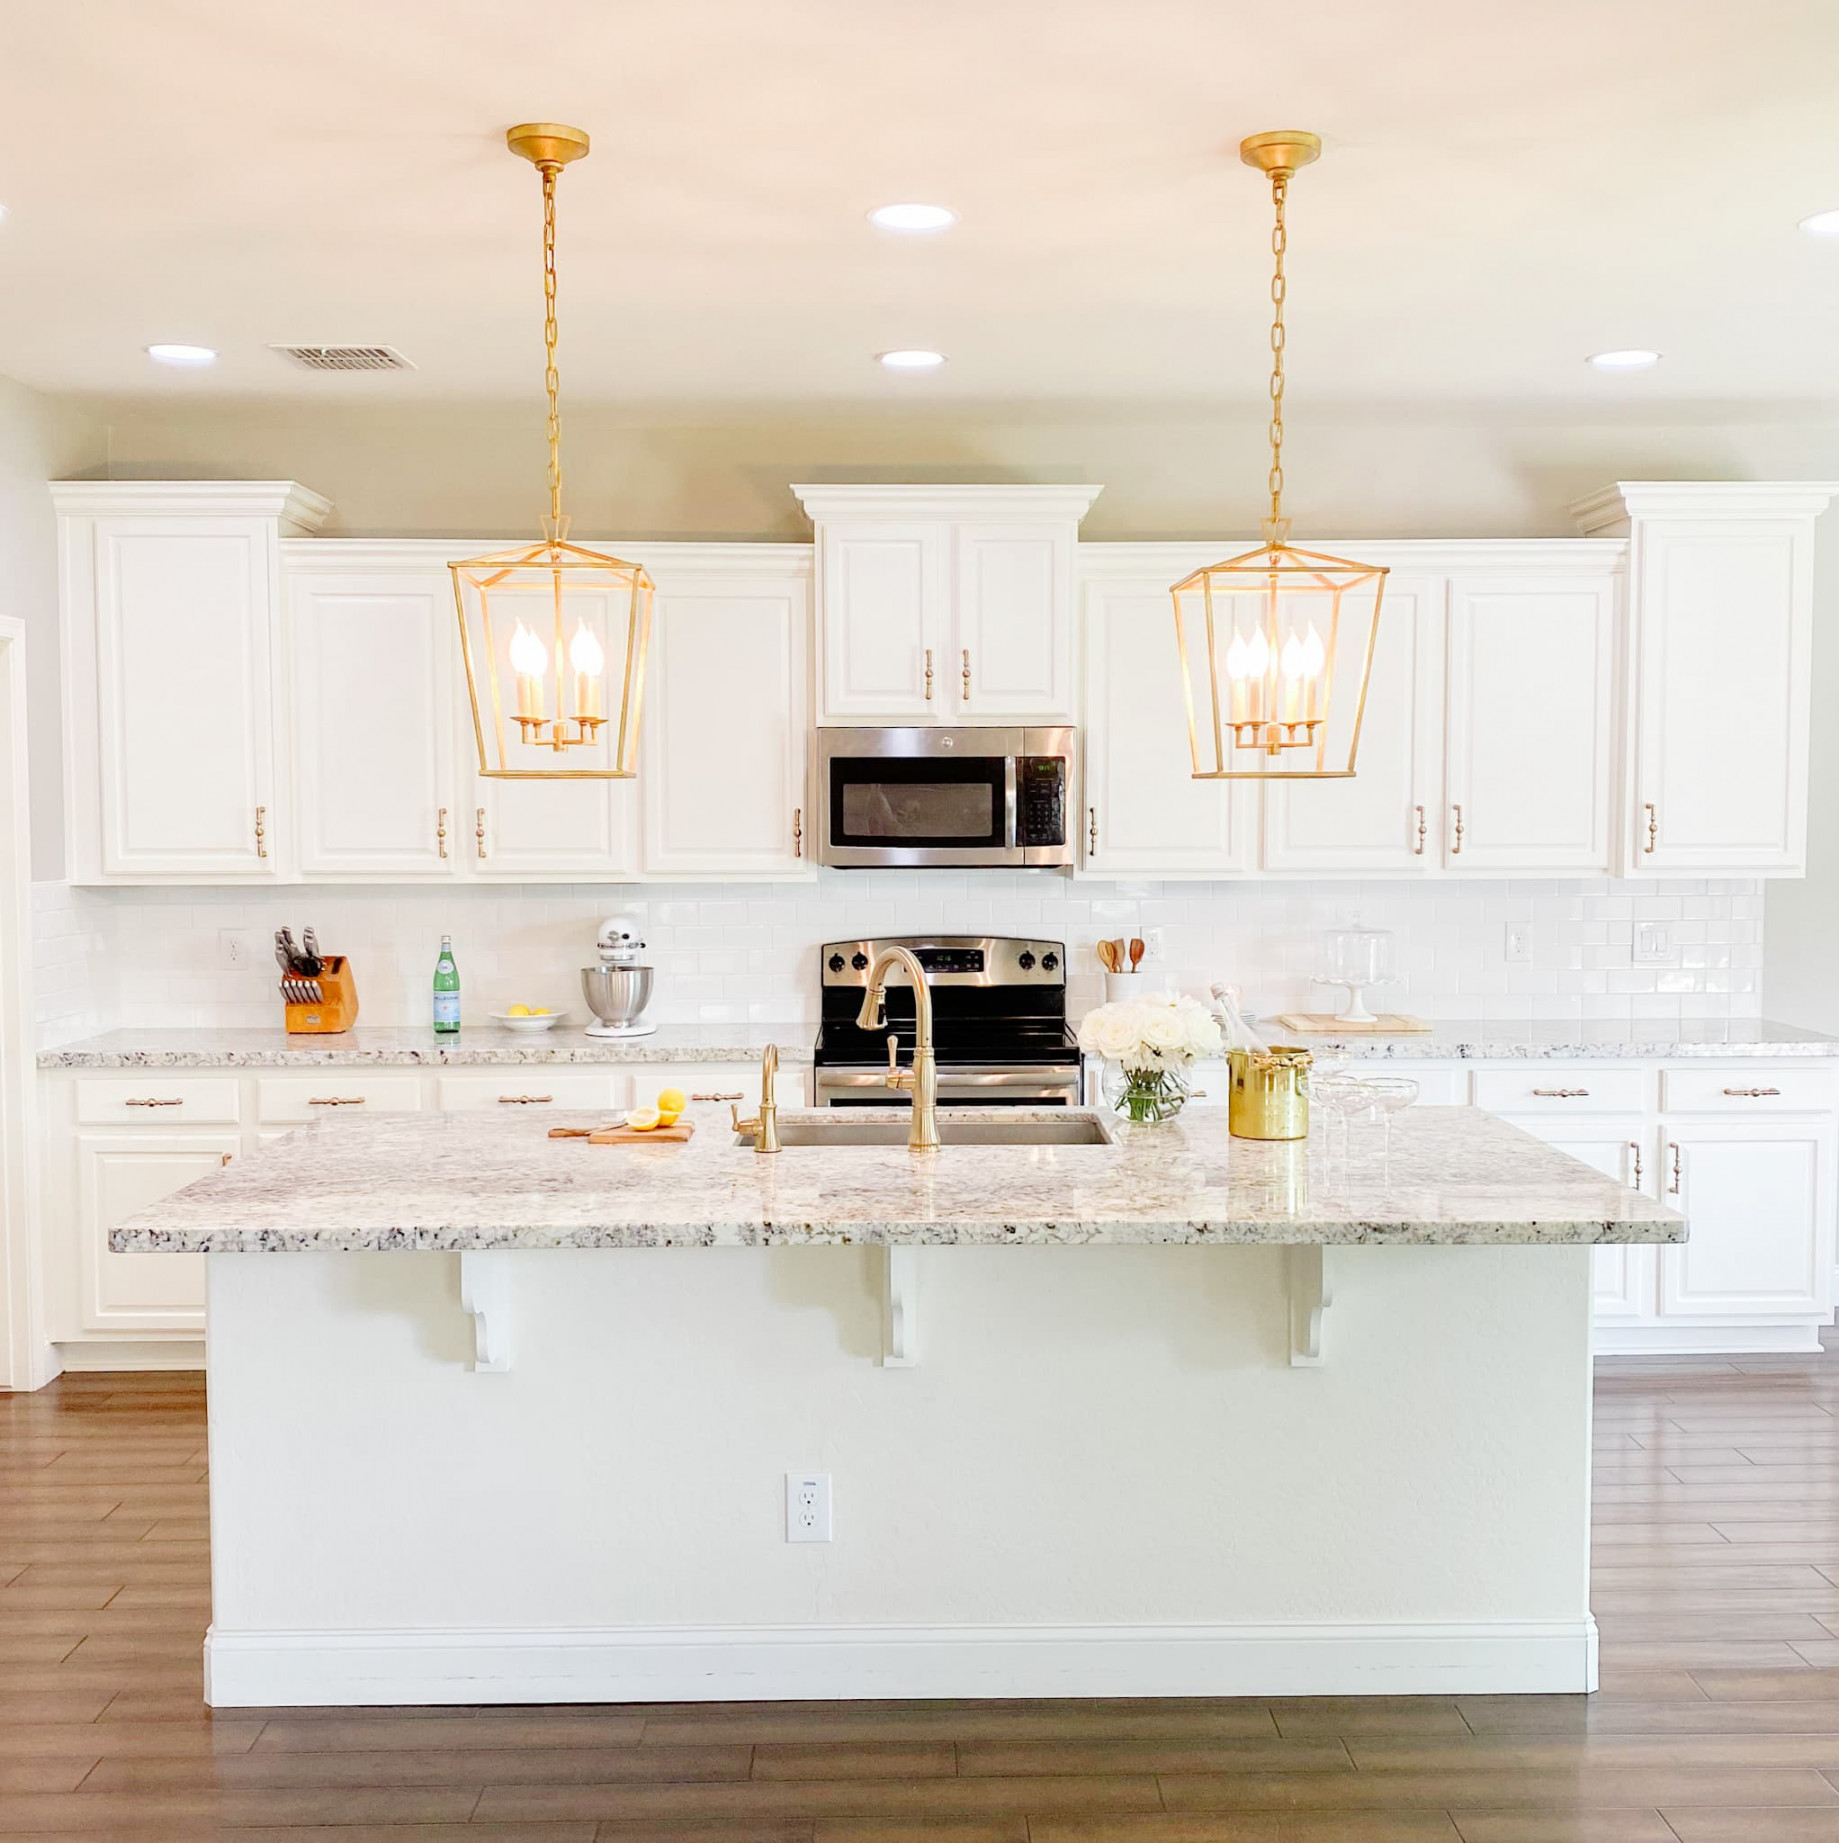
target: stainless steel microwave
945 798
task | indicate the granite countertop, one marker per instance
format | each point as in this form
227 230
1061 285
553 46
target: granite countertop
1508 1040
470 1181
385 1046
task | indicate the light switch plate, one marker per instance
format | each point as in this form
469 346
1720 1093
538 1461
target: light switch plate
1653 944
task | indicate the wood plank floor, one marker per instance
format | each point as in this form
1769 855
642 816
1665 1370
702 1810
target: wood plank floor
1717 1588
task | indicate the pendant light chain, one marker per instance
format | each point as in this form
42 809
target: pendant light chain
1276 530
551 378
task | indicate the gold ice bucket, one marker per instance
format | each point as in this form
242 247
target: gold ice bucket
1270 1092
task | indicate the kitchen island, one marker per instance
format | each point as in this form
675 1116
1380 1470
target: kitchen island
1190 1415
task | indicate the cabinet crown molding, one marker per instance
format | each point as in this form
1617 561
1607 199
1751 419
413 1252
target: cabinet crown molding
300 510
932 503
1610 511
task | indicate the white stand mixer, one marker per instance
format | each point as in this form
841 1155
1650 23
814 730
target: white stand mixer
619 988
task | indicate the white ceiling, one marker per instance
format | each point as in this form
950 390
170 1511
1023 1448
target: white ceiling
1507 186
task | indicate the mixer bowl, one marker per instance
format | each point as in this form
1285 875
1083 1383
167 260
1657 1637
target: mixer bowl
616 994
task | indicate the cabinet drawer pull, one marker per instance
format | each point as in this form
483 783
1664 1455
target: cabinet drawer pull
1634 1146
1417 850
1561 1094
525 1100
1455 849
135 1101
967 675
798 831
337 1100
1753 1094
1673 1188
479 830
1653 829
1092 831
723 1095
225 1159
261 831
440 830
928 675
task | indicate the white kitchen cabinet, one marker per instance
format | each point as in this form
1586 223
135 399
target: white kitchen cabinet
726 739
169 613
1144 813
371 682
1387 820
946 605
1530 719
531 1088
1721 614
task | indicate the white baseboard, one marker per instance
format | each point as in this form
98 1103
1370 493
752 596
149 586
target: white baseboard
126 1353
1703 1340
823 1663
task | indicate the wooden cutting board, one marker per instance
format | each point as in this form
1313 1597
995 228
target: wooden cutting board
626 1135
1320 1023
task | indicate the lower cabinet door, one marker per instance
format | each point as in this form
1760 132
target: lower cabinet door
118 1174
1622 1275
1758 1198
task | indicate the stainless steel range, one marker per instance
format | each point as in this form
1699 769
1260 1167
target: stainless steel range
999 1023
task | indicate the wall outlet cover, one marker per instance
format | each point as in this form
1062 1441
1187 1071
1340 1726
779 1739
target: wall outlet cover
235 949
807 1507
1518 945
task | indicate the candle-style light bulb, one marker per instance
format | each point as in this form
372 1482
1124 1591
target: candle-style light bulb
585 655
529 660
1292 666
1315 659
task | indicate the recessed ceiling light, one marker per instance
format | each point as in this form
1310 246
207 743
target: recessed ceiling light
1822 224
913 217
1634 359
182 355
911 360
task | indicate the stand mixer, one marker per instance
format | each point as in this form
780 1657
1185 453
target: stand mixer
619 988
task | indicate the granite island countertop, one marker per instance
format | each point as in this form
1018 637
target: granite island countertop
1517 1040
465 1182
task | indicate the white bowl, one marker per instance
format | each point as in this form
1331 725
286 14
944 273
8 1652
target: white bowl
548 1020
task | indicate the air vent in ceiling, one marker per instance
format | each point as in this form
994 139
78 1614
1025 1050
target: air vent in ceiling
345 358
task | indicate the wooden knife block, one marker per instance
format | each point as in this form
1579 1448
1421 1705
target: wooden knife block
337 1011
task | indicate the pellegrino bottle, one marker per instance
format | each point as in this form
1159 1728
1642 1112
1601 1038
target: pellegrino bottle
446 990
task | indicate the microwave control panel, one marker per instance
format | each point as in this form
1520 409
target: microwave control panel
1041 797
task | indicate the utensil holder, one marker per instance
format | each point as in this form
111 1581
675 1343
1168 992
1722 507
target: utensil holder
1119 986
337 1009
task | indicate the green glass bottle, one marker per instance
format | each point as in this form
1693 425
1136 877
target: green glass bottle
446 991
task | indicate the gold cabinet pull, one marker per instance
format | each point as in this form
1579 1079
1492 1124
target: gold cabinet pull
261 831
1673 1147
1455 849
135 1101
725 1094
440 831
798 831
1653 828
967 675
1091 831
525 1100
1753 1094
1561 1094
1634 1146
336 1100
225 1159
479 829
1417 850
928 675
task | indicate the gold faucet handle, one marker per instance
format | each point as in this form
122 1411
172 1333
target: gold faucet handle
897 1077
740 1125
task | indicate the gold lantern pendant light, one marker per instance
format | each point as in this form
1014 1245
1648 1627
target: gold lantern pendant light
537 623
1288 633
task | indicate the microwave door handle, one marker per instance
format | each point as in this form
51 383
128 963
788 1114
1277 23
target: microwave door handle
1010 827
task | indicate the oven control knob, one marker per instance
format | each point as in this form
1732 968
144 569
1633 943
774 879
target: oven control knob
836 962
1049 961
859 962
1025 961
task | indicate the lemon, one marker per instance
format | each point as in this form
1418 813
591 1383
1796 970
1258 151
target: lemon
672 1101
645 1120
518 1011
541 1011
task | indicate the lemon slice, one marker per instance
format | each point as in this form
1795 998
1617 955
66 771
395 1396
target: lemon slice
644 1120
672 1101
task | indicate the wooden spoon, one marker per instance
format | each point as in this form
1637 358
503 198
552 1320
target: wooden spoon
1107 956
1136 952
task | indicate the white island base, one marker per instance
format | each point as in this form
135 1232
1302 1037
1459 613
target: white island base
1104 1477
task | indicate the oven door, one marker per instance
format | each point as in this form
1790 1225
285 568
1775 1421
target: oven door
906 798
968 1085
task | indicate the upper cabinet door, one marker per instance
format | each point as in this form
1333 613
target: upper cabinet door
1530 718
371 667
1145 814
1387 819
726 727
1722 645
1012 656
183 649
886 595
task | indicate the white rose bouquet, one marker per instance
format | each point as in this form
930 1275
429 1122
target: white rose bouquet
1152 1041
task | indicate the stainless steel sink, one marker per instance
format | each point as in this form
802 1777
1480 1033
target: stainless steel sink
839 1129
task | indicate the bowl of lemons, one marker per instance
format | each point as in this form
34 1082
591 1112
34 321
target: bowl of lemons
530 1017
666 1110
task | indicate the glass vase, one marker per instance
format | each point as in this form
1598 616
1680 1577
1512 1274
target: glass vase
1146 1096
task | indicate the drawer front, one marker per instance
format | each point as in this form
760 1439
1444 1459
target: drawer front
158 1099
526 1090
1550 1087
290 1099
1750 1090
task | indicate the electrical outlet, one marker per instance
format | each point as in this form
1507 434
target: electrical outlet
1519 944
807 1507
1153 944
1653 944
235 949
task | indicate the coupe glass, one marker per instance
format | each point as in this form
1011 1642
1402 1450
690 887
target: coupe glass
1346 1098
1391 1094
